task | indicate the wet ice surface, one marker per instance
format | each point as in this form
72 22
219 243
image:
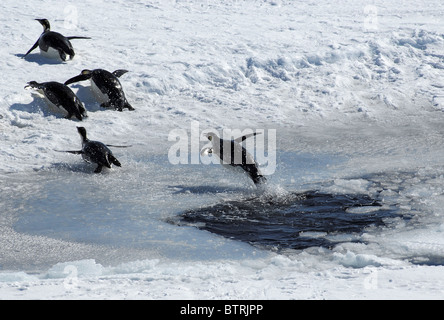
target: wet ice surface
124 216
150 208
119 223
125 210
353 89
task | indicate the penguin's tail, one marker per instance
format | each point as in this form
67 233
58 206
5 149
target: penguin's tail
254 174
259 180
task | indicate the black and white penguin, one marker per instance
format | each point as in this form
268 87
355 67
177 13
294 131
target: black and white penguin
53 44
60 96
106 87
235 156
95 152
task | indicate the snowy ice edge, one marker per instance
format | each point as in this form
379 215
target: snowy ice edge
87 275
383 58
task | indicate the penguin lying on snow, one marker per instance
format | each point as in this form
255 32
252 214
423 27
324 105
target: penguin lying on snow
236 156
53 44
96 152
60 96
106 87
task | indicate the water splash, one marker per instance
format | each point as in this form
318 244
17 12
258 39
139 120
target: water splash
277 219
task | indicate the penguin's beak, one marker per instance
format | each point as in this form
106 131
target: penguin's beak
30 84
81 77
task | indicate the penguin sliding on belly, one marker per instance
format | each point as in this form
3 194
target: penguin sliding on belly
60 96
234 155
95 152
106 87
53 44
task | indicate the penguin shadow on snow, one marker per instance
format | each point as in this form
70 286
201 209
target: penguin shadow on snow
38 105
35 106
80 167
86 95
39 59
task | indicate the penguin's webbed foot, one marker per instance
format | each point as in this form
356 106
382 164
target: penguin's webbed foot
62 55
105 105
259 180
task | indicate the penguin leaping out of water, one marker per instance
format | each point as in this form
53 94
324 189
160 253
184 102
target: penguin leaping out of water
60 96
106 87
233 155
53 44
96 152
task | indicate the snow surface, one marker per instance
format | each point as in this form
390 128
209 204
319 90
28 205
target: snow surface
354 89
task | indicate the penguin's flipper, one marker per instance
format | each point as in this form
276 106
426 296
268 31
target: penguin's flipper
69 151
33 47
120 72
243 138
54 98
73 38
114 146
78 78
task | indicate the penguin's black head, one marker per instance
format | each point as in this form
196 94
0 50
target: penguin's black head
45 24
84 75
82 132
32 84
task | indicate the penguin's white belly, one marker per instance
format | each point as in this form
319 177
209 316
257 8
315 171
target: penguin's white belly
51 54
99 95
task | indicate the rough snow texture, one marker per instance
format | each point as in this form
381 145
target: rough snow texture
361 80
